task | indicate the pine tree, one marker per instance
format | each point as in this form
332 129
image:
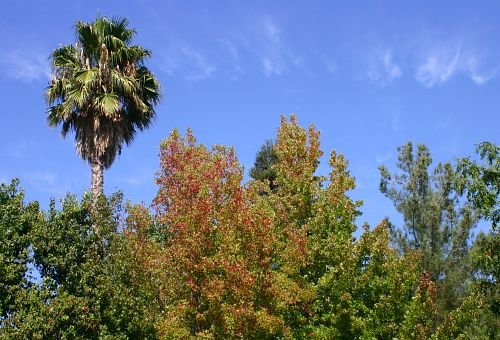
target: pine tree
435 223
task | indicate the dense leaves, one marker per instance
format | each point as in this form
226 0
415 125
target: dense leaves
216 258
85 287
235 263
480 182
16 221
219 257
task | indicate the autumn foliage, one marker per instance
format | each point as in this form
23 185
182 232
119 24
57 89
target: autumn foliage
219 258
241 260
214 257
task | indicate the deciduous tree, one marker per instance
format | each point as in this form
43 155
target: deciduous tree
221 254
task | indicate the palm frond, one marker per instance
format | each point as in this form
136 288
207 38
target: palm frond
101 89
107 103
89 40
88 78
120 29
65 57
56 91
123 84
78 96
53 116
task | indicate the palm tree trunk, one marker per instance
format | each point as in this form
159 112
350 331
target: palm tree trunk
97 180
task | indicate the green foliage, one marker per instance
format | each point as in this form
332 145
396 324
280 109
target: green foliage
366 291
16 221
435 223
218 259
465 321
86 289
235 263
480 183
350 288
101 88
263 168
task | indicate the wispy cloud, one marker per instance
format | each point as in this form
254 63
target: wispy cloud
234 53
383 158
443 63
382 67
330 64
476 72
439 66
273 61
47 182
201 68
256 40
192 63
273 66
276 57
26 66
272 31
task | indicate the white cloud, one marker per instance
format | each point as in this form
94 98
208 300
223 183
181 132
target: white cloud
275 56
383 69
443 63
473 68
26 66
201 68
392 70
266 42
439 66
273 66
194 65
272 31
234 56
260 41
272 58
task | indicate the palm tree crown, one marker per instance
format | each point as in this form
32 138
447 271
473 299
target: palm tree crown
101 91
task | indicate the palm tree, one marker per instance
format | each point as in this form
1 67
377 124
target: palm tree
101 91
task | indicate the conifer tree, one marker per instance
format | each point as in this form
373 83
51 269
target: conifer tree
435 222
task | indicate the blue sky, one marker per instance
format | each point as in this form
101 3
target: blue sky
370 76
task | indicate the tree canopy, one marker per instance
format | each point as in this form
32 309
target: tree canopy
213 257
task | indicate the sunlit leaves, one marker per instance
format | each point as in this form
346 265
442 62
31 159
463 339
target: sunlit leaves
218 257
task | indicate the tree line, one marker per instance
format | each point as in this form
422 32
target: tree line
214 257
